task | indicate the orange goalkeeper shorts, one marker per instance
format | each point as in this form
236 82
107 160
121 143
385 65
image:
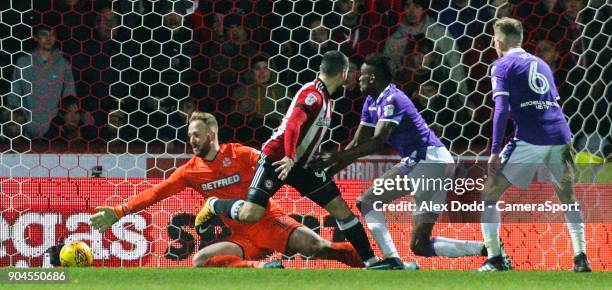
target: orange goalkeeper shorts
266 236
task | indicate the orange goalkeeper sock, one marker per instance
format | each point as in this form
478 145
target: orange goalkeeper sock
228 261
345 253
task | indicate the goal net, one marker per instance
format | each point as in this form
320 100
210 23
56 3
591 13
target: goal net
96 95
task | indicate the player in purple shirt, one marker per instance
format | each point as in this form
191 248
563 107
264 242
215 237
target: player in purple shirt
393 106
524 85
390 118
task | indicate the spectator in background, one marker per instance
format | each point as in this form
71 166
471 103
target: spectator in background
159 75
116 127
405 39
75 20
351 86
231 58
351 18
71 122
106 22
210 27
420 37
320 41
181 75
70 3
311 50
96 72
40 80
345 9
207 22
499 9
258 97
573 7
554 21
180 50
236 32
378 18
411 71
432 107
187 107
348 107
426 93
12 123
178 121
546 50
407 47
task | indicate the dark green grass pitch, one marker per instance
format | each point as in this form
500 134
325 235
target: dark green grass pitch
170 278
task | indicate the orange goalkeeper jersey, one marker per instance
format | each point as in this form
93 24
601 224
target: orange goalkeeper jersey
227 176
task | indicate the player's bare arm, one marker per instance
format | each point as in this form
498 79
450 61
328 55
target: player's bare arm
382 132
362 134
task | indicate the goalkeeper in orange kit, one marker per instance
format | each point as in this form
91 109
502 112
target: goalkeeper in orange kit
226 171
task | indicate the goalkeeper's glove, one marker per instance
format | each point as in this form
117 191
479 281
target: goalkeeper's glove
54 252
105 217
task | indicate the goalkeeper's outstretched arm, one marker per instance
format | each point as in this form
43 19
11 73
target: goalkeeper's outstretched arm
106 216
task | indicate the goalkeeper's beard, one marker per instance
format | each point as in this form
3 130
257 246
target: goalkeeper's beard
203 149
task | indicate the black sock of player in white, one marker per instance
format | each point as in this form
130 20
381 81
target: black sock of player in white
228 207
354 232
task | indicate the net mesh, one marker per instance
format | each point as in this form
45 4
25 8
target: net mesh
112 97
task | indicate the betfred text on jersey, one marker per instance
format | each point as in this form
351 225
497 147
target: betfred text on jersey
225 181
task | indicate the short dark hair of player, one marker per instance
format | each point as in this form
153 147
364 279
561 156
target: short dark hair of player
382 65
334 63
208 119
509 30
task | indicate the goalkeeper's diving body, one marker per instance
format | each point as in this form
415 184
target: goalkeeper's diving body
287 154
389 118
226 171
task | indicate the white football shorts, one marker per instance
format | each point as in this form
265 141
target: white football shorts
431 162
523 163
